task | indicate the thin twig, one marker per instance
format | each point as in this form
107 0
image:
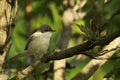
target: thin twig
117 12
107 51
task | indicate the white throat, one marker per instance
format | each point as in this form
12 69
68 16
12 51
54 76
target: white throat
47 34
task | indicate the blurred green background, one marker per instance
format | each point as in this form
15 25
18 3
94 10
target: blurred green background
33 13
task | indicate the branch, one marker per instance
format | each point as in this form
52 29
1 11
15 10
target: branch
108 50
21 75
71 52
94 64
63 43
83 47
7 17
117 12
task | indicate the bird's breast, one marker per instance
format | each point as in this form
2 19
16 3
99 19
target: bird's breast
39 45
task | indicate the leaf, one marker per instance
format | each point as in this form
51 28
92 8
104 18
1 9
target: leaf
88 33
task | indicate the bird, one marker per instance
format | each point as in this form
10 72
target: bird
37 45
39 42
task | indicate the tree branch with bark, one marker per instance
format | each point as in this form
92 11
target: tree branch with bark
71 52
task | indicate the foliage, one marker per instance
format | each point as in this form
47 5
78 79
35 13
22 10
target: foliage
33 13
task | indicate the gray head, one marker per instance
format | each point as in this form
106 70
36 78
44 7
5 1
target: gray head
46 28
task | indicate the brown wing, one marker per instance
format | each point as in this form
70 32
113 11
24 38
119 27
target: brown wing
29 40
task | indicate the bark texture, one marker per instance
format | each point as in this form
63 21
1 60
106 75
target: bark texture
8 10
